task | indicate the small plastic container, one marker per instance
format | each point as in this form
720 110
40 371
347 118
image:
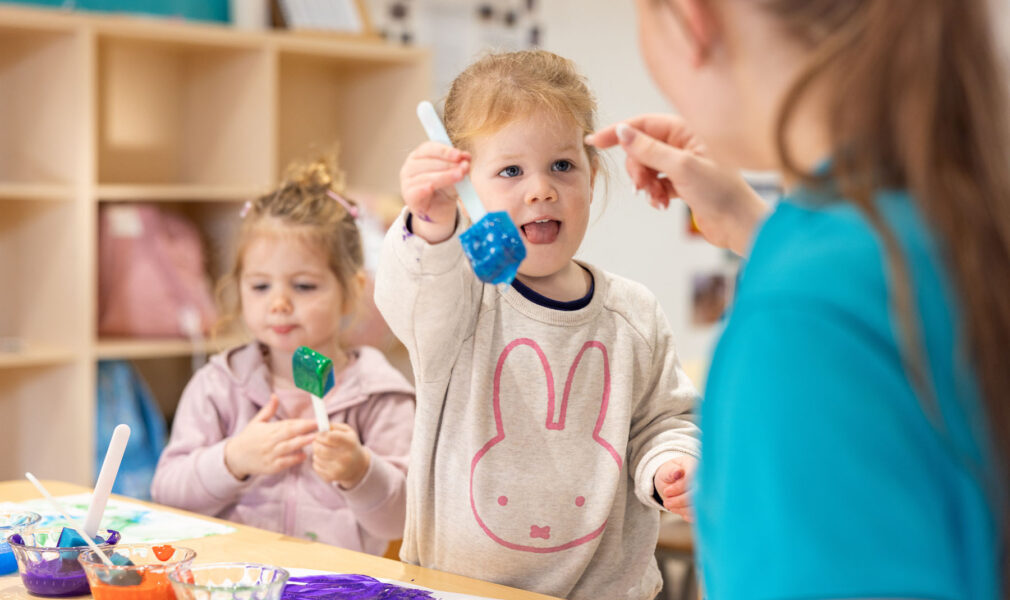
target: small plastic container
229 581
145 579
48 570
10 523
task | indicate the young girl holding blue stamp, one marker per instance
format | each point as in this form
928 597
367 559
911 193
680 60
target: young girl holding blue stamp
238 441
553 417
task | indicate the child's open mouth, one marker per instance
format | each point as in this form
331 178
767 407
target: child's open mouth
541 231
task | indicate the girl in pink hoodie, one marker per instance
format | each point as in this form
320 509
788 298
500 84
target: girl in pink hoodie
244 443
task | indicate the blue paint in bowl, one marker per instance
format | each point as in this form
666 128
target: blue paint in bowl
12 522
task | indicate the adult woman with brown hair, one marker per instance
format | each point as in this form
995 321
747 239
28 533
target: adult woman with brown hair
856 425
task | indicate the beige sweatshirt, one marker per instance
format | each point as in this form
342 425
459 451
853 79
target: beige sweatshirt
538 432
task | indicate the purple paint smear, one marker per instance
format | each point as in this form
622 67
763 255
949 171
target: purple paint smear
348 587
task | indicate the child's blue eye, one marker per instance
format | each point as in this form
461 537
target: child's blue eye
512 171
562 165
260 287
305 287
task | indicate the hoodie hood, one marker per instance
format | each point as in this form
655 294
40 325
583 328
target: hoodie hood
368 374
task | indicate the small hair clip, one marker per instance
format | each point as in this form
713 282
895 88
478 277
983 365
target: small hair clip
245 209
353 210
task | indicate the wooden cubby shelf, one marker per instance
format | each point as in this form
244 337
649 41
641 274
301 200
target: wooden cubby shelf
98 109
176 193
35 191
132 348
36 355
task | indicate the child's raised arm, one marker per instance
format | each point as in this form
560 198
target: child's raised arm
428 295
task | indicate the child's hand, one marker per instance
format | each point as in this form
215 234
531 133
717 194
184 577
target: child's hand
265 448
426 183
338 456
671 482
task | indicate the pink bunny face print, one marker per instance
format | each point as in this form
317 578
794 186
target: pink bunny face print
532 485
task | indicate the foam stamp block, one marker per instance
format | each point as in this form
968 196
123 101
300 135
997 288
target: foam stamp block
313 373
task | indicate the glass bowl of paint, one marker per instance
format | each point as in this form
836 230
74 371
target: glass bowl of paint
229 581
48 569
141 571
12 522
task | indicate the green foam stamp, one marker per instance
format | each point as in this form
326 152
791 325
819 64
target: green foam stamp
313 373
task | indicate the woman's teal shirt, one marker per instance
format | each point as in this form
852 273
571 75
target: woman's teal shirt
823 475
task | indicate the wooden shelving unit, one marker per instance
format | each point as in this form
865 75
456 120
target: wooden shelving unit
199 118
35 356
131 348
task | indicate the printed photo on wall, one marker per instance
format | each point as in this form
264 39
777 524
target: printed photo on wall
710 295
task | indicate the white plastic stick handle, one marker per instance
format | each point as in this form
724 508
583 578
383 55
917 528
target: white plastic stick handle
106 477
322 419
70 522
436 133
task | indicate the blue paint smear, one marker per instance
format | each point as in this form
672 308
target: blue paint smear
348 587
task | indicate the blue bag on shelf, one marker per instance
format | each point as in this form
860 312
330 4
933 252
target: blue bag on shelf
123 397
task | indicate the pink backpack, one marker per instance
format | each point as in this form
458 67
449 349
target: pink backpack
151 278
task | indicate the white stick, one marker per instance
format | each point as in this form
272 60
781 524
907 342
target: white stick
322 419
106 477
436 132
59 511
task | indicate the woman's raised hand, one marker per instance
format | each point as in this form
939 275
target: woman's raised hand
666 160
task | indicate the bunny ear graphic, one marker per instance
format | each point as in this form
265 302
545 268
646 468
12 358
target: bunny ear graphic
593 381
502 388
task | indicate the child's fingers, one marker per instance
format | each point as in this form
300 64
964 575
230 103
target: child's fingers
340 435
687 513
294 444
290 428
436 180
672 475
268 411
679 508
438 150
678 501
421 166
424 197
286 462
675 489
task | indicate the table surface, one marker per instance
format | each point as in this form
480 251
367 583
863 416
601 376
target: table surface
249 544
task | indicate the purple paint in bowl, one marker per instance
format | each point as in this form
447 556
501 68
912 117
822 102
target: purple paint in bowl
48 570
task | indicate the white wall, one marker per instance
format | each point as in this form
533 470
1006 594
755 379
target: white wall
627 236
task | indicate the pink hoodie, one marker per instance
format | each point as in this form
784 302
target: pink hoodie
223 397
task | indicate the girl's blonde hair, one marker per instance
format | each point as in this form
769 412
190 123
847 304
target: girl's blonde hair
310 204
500 88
